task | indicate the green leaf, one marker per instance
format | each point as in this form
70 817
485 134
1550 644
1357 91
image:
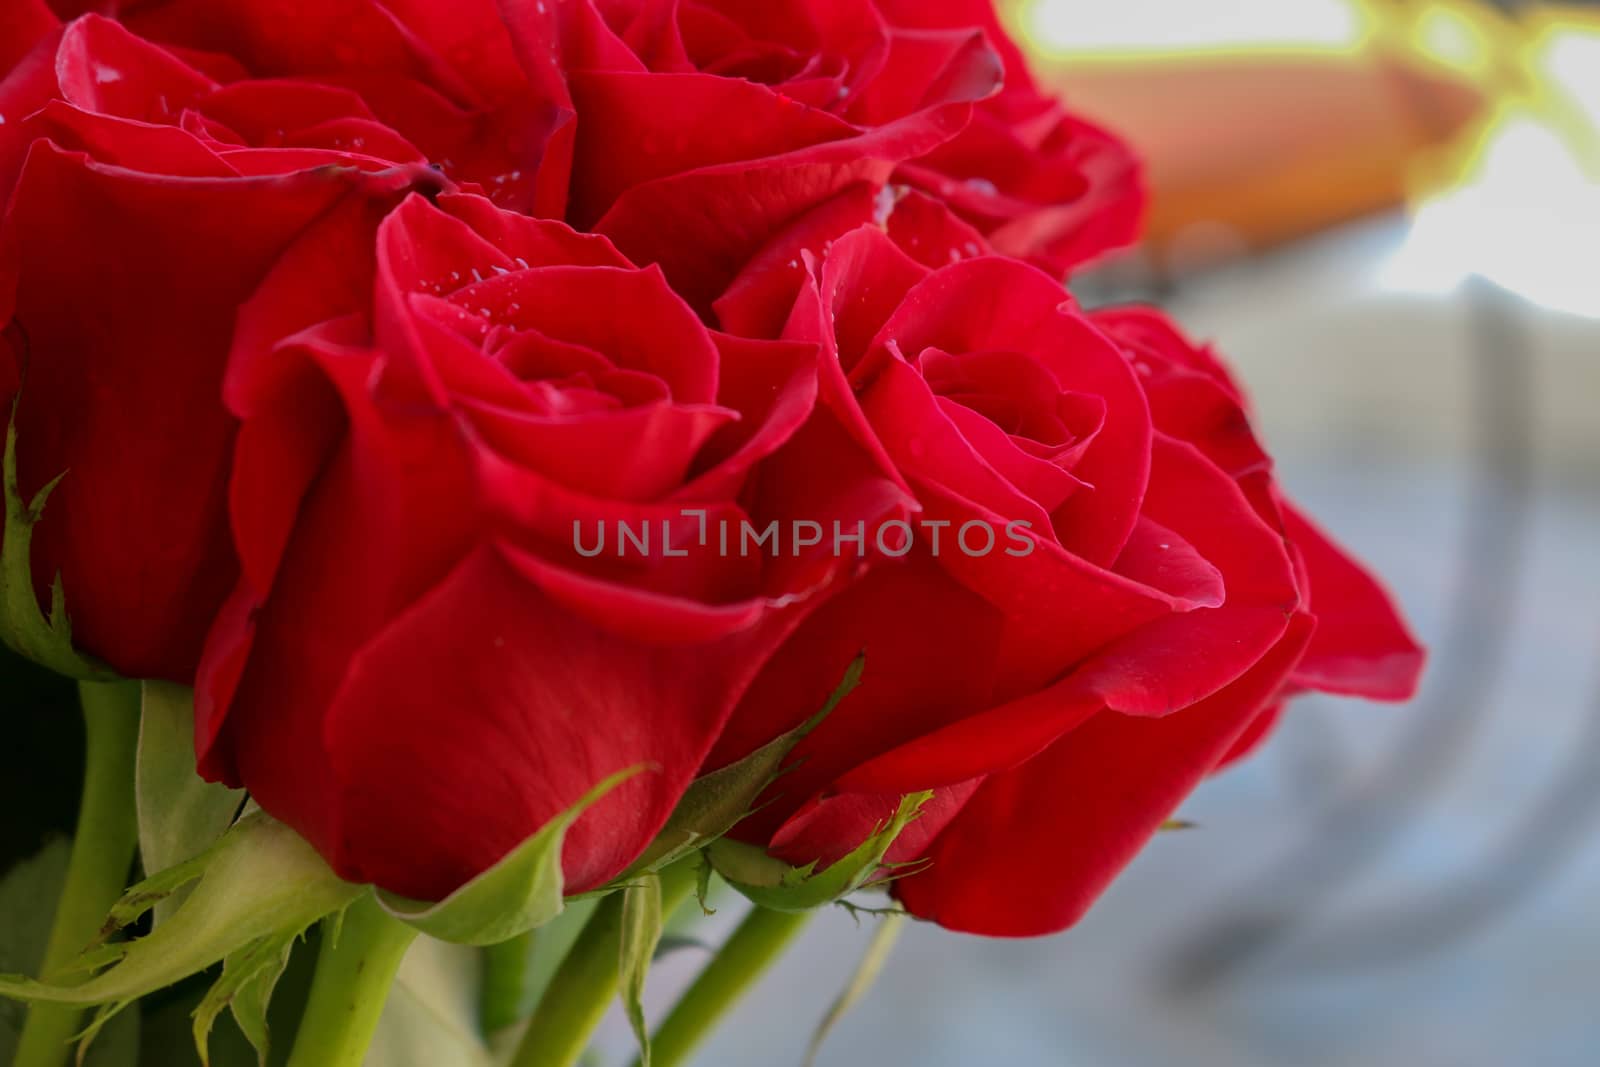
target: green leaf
890 927
641 933
180 814
260 881
521 892
46 641
716 802
771 883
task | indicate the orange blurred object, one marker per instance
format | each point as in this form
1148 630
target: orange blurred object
1249 151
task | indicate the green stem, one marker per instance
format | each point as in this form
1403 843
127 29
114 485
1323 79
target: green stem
586 983
356 965
509 990
102 853
743 958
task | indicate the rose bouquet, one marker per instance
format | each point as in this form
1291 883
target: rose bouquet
570 450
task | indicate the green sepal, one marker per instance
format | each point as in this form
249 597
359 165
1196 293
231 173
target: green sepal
248 979
882 942
181 815
716 802
642 922
523 891
45 640
260 881
772 883
702 884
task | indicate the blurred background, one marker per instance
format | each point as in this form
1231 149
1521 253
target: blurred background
1388 215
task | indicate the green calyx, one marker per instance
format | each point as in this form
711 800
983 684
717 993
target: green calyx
773 884
523 891
47 640
715 803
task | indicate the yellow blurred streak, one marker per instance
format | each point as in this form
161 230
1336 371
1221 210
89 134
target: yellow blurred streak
1455 40
1519 202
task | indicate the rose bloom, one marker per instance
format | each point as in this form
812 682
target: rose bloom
419 669
1061 703
153 170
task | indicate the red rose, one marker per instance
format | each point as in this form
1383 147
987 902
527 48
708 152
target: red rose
697 130
1132 596
164 175
421 666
